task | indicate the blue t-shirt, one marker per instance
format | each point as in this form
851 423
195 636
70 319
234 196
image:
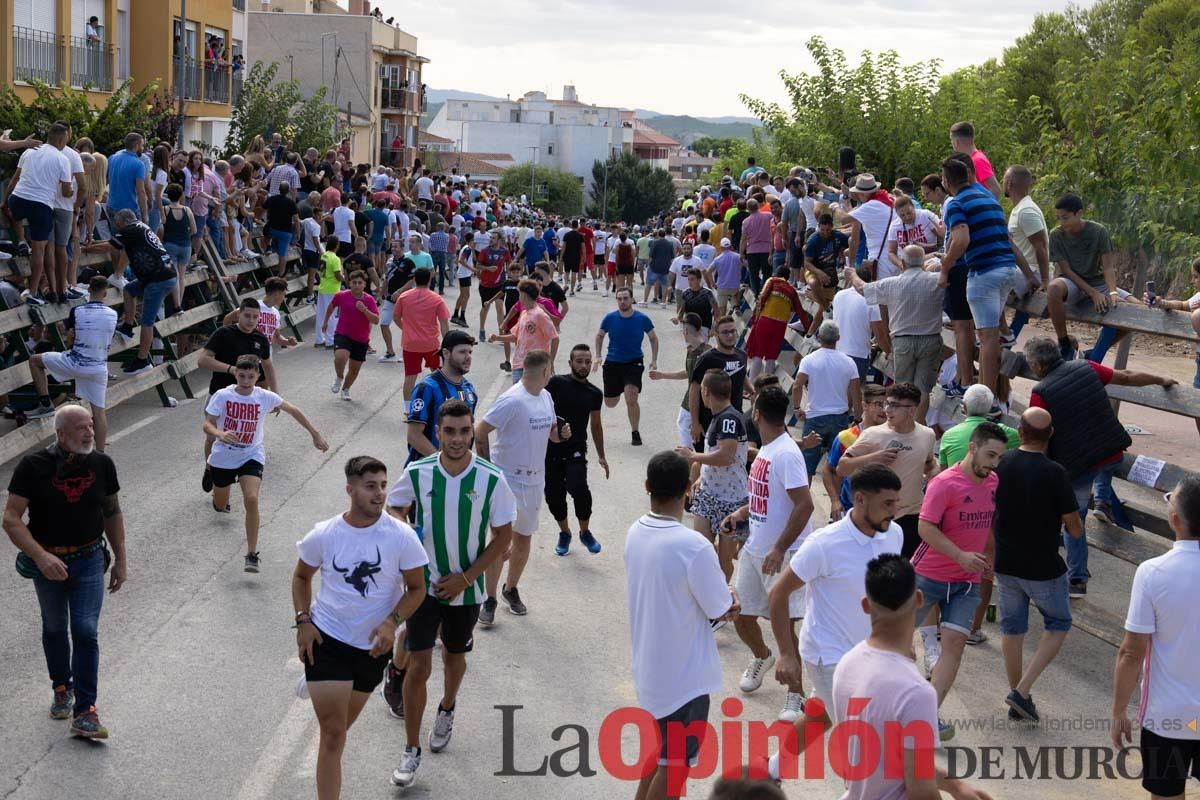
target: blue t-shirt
551 240
989 248
379 219
125 169
428 396
662 253
535 249
625 335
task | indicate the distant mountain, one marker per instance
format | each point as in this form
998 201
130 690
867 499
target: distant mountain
685 129
646 114
439 95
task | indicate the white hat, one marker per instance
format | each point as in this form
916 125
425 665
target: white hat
726 243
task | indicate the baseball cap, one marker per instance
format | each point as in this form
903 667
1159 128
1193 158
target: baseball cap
453 339
724 243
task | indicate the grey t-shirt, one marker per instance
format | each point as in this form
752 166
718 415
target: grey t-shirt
1083 251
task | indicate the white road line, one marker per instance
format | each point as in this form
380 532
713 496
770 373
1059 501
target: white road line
296 725
134 428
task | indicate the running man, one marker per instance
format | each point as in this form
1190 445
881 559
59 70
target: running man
524 421
623 365
235 419
577 402
534 330
492 263
357 313
274 290
456 494
423 319
372 579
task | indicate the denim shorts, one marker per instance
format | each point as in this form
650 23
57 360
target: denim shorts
987 292
181 254
1050 597
152 295
374 248
1196 377
957 601
657 278
282 240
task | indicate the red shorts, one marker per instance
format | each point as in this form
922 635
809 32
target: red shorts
765 339
610 267
412 361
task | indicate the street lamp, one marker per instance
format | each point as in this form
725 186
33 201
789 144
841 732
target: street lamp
532 161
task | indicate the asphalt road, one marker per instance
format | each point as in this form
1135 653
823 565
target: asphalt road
198 665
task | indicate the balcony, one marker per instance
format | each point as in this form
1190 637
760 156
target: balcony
188 74
397 156
37 56
237 87
403 101
216 83
91 64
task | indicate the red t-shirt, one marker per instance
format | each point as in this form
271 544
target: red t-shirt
589 242
1105 374
725 206
490 279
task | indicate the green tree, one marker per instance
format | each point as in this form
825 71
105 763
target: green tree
270 105
635 189
717 145
554 190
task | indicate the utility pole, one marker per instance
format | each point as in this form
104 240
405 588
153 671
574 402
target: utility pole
604 210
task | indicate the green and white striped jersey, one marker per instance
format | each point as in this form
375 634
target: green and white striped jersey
454 514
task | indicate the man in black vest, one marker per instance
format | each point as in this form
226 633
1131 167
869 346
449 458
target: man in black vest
1089 440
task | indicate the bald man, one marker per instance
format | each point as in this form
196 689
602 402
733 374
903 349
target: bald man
1033 503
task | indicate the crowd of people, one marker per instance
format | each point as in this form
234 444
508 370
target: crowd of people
927 516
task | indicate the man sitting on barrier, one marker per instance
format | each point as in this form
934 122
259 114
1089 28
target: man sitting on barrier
154 279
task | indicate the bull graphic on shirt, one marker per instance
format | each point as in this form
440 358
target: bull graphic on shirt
363 571
73 488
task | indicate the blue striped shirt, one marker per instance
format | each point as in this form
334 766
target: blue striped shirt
975 207
428 396
439 241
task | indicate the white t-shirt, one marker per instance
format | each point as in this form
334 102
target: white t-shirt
246 414
76 166
599 243
674 586
1163 603
611 246
379 182
41 171
832 562
560 233
677 225
362 574
268 321
679 268
854 317
343 223
1025 220
874 215
424 187
922 231
829 374
899 695
311 230
400 224
94 325
778 467
479 208
465 258
482 241
706 253
522 422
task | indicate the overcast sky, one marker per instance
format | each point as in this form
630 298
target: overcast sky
686 56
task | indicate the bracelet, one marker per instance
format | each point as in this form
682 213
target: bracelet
229 370
464 577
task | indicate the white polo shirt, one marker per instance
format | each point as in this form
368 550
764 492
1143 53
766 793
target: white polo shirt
832 562
1163 603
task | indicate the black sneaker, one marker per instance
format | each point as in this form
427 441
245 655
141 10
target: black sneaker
487 614
23 249
136 366
506 366
86 725
251 562
1078 589
513 598
75 294
460 322
637 439
393 690
39 411
34 299
206 482
126 331
64 701
1022 705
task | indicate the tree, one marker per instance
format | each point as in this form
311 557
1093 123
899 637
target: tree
269 105
717 145
554 190
635 189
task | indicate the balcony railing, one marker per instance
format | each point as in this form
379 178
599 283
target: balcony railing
91 64
216 83
239 5
187 78
37 56
237 87
397 156
404 100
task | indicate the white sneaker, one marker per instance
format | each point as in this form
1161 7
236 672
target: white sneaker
337 385
248 253
345 394
793 707
406 773
443 729
752 678
642 304
929 658
388 358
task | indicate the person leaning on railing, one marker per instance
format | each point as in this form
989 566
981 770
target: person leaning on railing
1192 306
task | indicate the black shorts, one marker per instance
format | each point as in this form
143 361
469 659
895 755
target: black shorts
358 350
222 477
310 259
797 255
619 374
955 302
598 260
569 267
345 249
1167 763
488 293
456 624
624 269
464 283
908 524
338 661
694 710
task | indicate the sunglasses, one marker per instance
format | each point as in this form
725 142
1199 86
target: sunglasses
899 405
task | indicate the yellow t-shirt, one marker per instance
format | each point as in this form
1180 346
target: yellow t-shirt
330 265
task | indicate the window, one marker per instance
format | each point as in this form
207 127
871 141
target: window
549 149
551 117
514 115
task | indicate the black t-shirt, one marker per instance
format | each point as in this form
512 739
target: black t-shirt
229 342
361 221
555 292
572 247
1033 495
65 498
280 210
727 424
733 364
147 257
307 184
511 294
574 401
752 434
735 228
699 301
399 274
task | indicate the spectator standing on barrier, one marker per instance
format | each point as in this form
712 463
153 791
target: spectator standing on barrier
834 393
71 494
869 222
127 187
1192 306
777 302
1162 632
43 175
154 279
283 220
1089 440
823 252
578 403
1034 502
90 329
858 322
962 140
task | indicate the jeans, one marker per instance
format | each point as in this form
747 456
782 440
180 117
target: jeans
1077 549
70 616
439 263
216 233
828 426
282 241
153 295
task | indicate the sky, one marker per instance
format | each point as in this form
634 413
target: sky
681 56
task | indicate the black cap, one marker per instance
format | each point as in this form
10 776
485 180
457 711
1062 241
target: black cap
453 339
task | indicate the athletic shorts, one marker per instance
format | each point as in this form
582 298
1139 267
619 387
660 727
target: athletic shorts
753 587
455 624
413 361
572 268
310 259
955 301
91 380
530 497
1167 763
64 223
338 661
694 710
598 259
619 269
222 476
711 507
619 374
488 293
39 217
464 283
344 249
358 350
912 539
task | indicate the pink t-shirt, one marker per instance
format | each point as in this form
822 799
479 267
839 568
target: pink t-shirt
983 167
418 311
963 509
351 322
535 330
756 232
331 198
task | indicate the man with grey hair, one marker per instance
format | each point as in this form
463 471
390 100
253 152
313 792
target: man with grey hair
914 302
1088 440
831 378
154 280
977 405
70 492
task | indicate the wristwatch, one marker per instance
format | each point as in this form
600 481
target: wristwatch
300 614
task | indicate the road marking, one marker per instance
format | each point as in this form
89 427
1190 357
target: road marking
134 428
295 726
